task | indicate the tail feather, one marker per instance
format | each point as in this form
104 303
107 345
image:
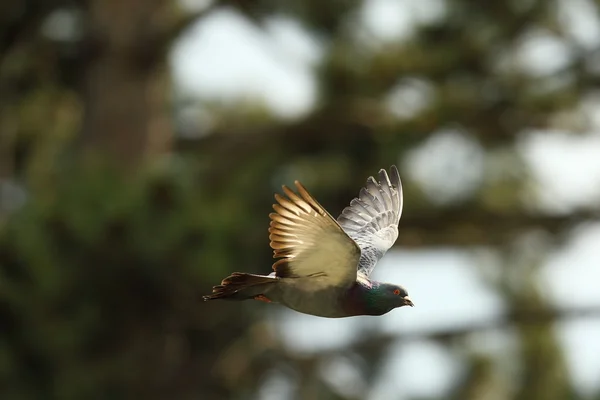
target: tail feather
241 286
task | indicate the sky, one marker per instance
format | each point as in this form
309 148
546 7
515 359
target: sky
276 70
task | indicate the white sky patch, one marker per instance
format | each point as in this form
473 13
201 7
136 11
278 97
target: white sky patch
410 97
566 168
292 42
344 376
448 166
276 386
445 287
580 20
306 333
195 5
421 369
225 57
573 274
541 53
389 20
63 25
580 341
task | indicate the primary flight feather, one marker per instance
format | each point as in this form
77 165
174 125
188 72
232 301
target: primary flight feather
323 265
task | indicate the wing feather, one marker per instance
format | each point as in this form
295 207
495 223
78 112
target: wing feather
372 218
309 242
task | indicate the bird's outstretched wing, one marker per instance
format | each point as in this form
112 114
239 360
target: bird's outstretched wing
371 219
309 242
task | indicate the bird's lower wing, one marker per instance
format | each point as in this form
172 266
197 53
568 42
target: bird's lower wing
371 219
309 242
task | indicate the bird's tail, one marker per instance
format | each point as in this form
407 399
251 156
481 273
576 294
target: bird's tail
240 286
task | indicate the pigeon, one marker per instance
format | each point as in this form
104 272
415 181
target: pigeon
323 265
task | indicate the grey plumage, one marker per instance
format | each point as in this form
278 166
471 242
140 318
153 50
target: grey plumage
371 219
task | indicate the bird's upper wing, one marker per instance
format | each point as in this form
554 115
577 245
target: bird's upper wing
371 219
309 242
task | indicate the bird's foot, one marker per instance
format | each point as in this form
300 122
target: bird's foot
261 297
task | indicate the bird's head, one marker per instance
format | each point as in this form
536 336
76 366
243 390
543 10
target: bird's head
384 297
396 295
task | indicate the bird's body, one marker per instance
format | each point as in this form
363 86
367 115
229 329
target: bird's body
324 264
300 295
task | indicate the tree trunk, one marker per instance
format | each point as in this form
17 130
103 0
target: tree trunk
124 83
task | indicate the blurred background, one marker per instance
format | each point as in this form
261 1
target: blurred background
141 142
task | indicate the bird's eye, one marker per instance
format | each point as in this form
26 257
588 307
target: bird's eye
396 292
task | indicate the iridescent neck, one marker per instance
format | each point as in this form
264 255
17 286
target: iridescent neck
365 299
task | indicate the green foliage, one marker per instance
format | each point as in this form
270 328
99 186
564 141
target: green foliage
95 274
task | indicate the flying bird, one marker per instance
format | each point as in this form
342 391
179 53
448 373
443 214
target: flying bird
323 265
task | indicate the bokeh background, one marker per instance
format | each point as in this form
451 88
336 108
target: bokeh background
141 142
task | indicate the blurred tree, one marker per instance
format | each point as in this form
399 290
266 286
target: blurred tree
111 224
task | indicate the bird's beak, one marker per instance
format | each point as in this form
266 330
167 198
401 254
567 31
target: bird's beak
408 301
